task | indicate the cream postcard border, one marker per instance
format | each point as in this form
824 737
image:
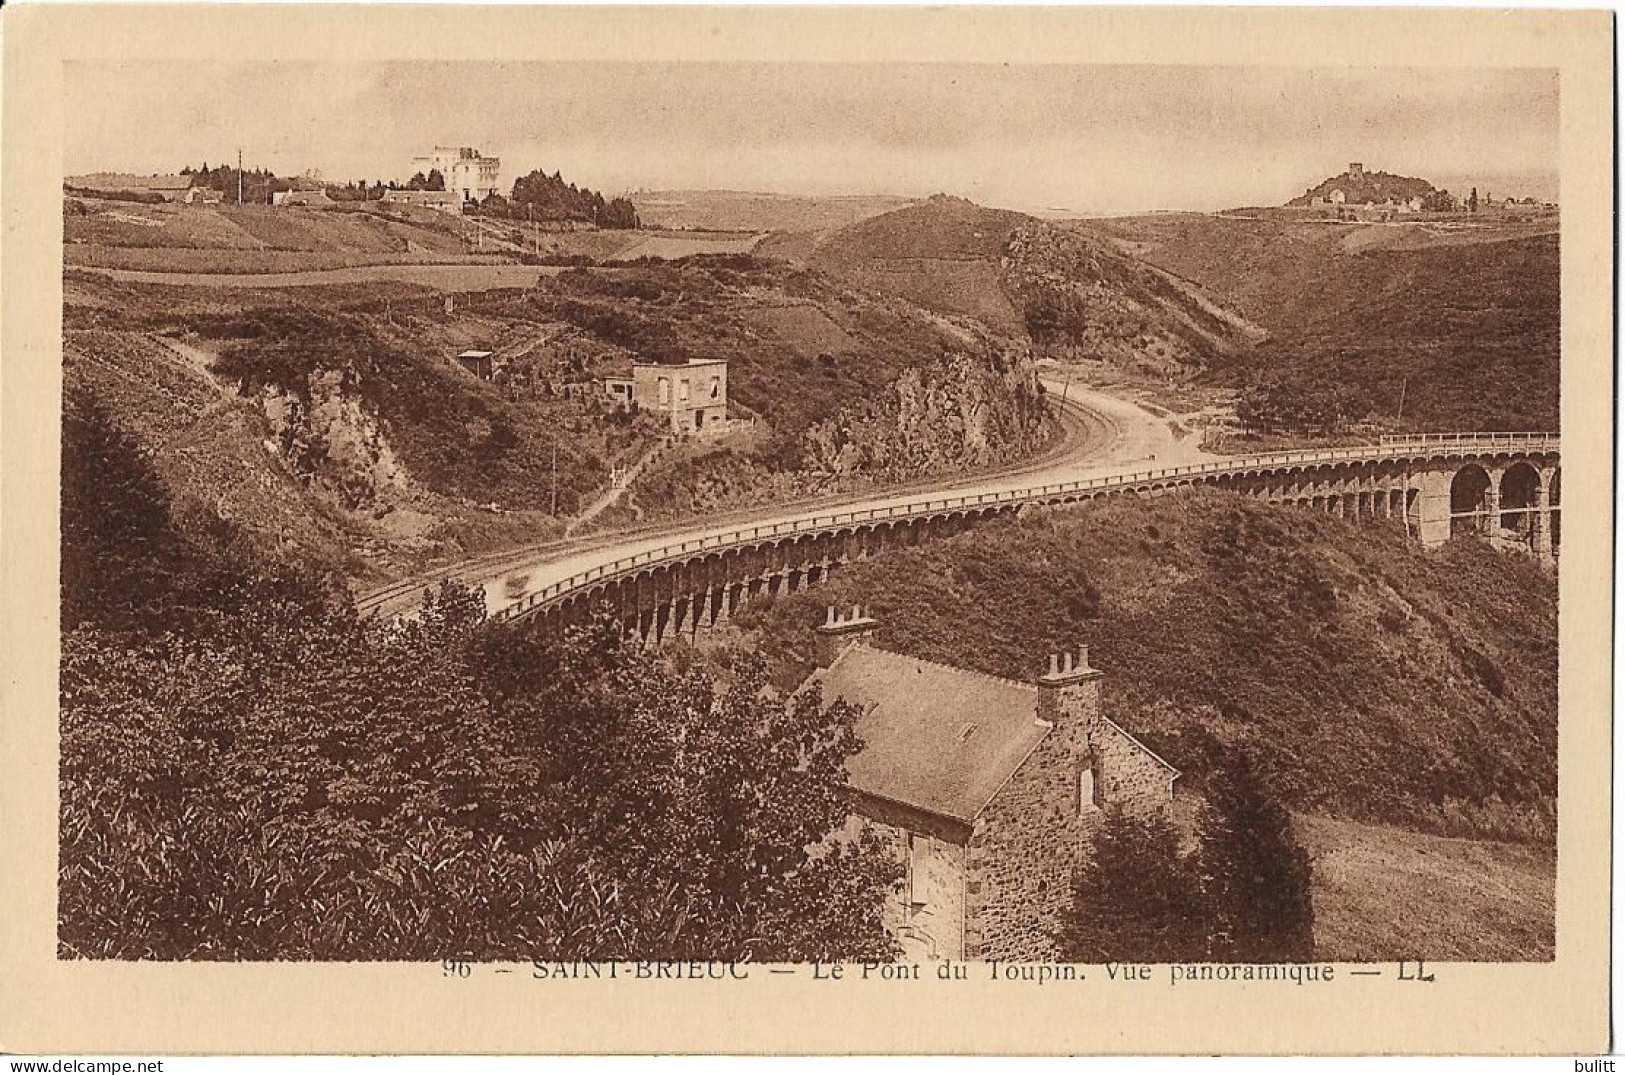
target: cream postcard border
52 1006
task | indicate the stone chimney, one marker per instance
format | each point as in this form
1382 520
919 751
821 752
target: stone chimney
1070 691
840 629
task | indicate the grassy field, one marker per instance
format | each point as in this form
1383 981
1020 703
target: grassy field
1382 891
361 229
266 239
277 270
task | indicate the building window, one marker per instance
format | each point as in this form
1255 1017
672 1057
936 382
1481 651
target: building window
917 880
682 390
663 390
1088 798
716 387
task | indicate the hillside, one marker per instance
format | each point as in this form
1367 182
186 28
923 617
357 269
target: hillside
328 425
1463 320
1373 679
371 229
1067 292
402 458
1367 188
850 387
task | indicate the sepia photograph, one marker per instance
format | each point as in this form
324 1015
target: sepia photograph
637 518
687 534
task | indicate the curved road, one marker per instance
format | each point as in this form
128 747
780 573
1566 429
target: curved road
1122 437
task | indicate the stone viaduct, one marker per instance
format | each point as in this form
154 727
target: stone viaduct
1505 487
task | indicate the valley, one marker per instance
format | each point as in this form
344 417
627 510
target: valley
393 417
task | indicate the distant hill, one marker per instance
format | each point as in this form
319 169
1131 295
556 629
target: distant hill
1360 187
1062 288
1463 321
733 210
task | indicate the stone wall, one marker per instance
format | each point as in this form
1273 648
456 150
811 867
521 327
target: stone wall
1032 836
927 913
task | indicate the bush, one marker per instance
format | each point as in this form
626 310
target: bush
1135 899
258 774
1259 878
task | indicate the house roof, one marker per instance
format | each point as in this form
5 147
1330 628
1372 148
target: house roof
937 738
122 182
420 195
639 363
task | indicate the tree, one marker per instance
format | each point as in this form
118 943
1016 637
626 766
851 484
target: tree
1135 898
619 213
284 780
675 772
1258 877
1280 402
1472 201
434 180
1439 201
118 549
549 197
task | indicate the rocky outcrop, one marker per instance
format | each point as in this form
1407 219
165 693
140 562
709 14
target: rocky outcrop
965 412
330 440
1083 298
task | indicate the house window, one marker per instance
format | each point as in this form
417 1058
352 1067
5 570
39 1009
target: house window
682 390
663 390
1088 798
716 387
917 888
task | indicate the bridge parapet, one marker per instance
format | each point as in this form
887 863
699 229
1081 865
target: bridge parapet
1389 448
1430 439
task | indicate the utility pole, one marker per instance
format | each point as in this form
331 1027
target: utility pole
1399 414
554 509
239 175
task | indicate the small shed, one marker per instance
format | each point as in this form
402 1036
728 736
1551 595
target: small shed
476 362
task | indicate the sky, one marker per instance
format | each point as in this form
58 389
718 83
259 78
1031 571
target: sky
1087 139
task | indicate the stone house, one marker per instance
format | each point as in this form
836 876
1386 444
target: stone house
442 201
692 396
987 789
301 197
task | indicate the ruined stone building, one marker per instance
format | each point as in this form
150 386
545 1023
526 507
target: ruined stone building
987 788
691 397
